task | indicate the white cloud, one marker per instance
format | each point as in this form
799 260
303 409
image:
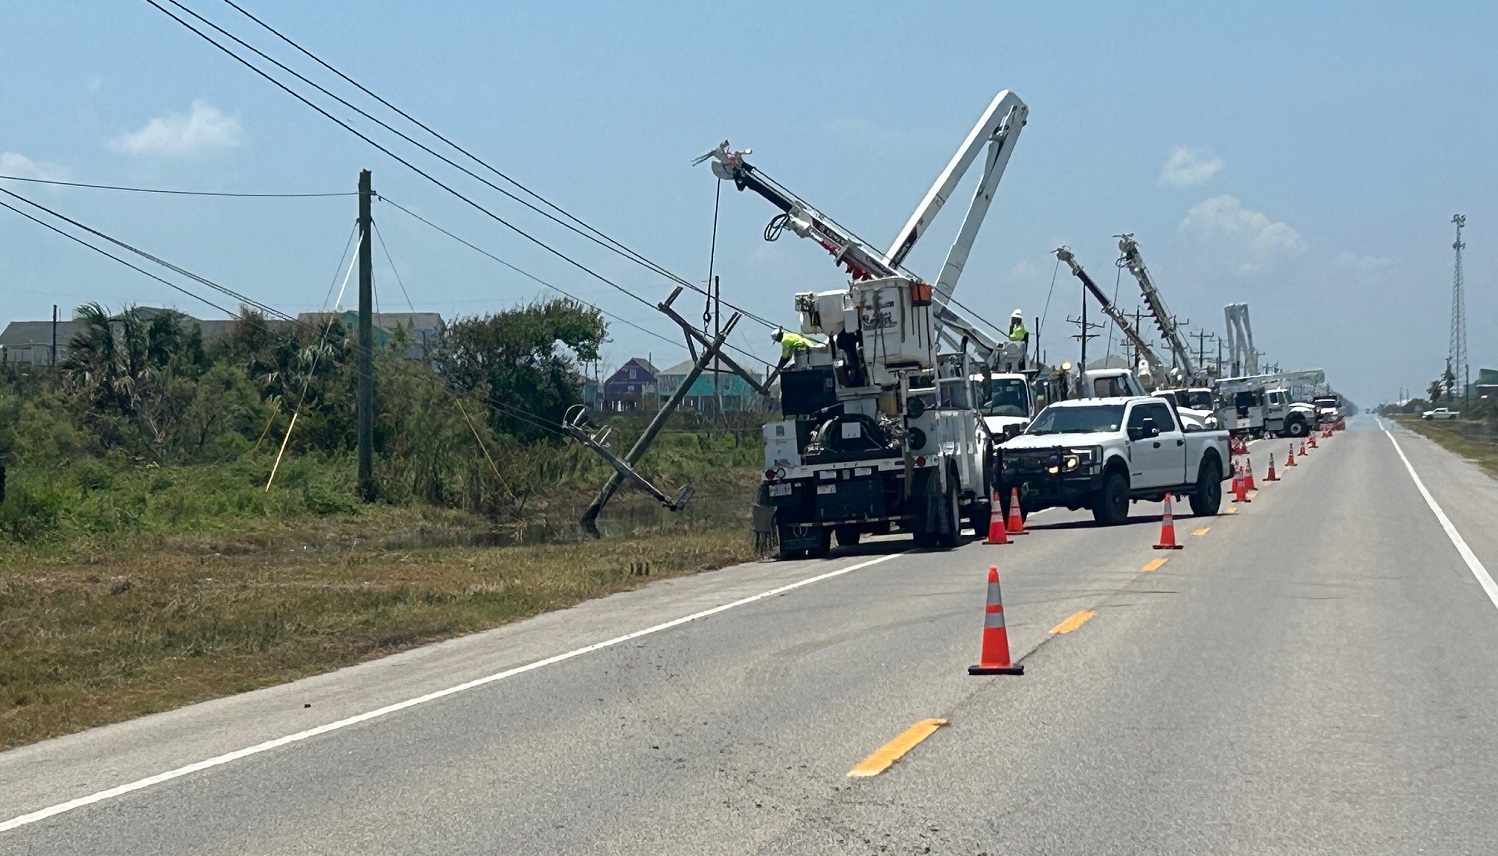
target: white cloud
1353 261
1187 167
205 128
1246 238
20 166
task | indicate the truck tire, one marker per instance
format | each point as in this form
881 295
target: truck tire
950 533
1207 498
1111 506
1297 428
847 536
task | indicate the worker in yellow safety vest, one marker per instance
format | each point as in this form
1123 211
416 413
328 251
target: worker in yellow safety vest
790 343
1017 331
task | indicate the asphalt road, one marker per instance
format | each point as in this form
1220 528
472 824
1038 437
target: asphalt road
1316 673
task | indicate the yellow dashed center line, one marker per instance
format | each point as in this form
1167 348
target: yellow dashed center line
1251 494
1202 531
1155 565
1074 622
892 751
1233 510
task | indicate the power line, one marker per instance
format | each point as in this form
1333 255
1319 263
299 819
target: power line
110 255
408 164
480 250
394 269
618 246
142 253
169 192
624 252
513 410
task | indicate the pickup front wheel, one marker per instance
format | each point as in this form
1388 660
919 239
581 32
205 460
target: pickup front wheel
1111 507
1208 496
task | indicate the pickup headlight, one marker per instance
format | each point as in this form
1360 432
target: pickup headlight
1077 459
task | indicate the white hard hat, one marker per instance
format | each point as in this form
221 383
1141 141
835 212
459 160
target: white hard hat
1017 314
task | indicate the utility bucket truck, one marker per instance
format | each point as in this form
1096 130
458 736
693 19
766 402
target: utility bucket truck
882 426
1270 404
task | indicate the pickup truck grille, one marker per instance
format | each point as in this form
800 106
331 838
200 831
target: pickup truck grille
1030 460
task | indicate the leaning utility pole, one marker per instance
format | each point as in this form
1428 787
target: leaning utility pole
1456 356
365 388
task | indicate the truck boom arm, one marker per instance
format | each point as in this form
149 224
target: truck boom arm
1169 330
997 130
1145 351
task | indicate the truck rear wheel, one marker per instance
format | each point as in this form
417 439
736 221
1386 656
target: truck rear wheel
1111 507
1297 428
950 535
1208 496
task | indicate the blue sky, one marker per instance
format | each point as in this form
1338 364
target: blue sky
1303 158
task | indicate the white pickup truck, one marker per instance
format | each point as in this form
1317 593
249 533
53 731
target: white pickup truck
1441 413
1100 453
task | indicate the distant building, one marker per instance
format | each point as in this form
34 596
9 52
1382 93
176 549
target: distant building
1486 385
628 388
30 342
422 328
716 382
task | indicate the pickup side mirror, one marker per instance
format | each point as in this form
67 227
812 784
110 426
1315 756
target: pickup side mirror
1145 429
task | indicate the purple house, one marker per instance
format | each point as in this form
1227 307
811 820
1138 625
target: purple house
627 388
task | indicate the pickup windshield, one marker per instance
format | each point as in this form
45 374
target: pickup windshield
1067 420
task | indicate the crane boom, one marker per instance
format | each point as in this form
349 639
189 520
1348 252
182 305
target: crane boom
1146 353
1169 330
997 130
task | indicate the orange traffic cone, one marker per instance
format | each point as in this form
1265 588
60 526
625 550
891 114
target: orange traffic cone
1249 471
1302 448
1312 441
1167 529
994 658
1290 457
1016 522
1271 477
995 520
1240 489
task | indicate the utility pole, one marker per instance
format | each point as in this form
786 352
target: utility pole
1456 357
1083 334
54 335
364 398
1201 337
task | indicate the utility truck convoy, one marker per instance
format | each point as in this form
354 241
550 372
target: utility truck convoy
1270 404
883 424
1101 453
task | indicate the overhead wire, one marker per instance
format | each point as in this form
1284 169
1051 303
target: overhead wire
596 235
393 268
528 275
168 192
125 246
625 252
116 258
514 411
634 255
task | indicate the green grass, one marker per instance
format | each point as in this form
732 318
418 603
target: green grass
127 588
1458 436
133 631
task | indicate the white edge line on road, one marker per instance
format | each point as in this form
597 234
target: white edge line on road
1473 563
219 760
